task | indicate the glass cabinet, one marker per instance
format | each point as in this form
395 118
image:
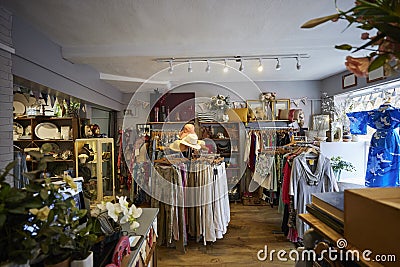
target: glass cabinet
95 163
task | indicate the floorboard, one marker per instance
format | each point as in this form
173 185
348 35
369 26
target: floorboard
250 229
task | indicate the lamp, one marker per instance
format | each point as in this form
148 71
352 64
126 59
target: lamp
241 68
208 69
241 59
278 64
190 69
298 65
225 67
171 68
260 66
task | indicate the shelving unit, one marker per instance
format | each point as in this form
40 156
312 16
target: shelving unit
32 141
229 147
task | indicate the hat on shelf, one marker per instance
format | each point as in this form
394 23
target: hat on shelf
191 140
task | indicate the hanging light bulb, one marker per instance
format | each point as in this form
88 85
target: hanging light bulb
278 64
298 65
190 69
208 69
171 68
260 66
225 67
241 68
394 92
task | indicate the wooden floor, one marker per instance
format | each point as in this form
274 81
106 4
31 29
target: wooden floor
250 229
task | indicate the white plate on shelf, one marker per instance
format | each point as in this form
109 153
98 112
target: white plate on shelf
46 130
18 108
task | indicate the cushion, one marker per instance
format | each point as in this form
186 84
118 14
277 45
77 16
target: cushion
289 114
283 114
237 114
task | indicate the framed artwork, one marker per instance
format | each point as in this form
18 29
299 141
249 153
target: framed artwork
336 132
376 75
349 80
256 110
280 104
320 122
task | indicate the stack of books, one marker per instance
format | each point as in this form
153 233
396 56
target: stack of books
329 208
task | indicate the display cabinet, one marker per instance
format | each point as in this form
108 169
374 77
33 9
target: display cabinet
95 163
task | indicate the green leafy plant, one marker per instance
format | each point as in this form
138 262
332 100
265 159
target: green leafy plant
17 245
380 17
57 222
338 164
41 222
85 237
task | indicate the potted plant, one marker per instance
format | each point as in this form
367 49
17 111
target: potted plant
338 164
55 222
55 217
17 245
84 238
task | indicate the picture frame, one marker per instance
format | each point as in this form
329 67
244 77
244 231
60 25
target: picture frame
376 75
280 104
349 80
256 110
336 132
320 123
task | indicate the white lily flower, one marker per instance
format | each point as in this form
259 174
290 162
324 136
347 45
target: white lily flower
113 210
136 212
134 225
102 206
123 204
124 219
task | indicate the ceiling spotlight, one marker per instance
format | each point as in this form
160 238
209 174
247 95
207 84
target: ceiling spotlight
241 68
298 65
278 64
225 67
260 66
171 68
208 69
190 69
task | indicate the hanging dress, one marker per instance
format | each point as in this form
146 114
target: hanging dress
383 165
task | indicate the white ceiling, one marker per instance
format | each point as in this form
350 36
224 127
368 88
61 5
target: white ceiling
123 37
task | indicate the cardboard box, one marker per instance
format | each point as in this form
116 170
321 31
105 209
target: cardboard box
371 221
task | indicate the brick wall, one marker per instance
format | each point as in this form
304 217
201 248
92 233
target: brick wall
6 90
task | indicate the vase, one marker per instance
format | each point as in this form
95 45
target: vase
337 174
88 262
64 263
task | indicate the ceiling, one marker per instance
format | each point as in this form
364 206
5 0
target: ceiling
124 37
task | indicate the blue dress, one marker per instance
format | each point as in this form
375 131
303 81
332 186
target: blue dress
383 167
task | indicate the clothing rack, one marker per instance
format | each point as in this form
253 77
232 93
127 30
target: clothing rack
269 127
